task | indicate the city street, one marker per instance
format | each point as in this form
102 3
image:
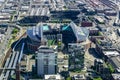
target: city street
4 45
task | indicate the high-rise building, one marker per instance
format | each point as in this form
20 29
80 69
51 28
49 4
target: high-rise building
46 61
98 63
59 40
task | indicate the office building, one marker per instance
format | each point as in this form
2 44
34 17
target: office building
98 63
46 61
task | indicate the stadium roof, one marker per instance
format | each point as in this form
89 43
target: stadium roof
35 33
80 32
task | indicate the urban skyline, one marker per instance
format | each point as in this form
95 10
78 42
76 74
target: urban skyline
59 39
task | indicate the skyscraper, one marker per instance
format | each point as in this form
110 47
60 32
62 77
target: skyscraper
46 61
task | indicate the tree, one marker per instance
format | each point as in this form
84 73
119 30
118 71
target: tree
69 78
14 31
98 78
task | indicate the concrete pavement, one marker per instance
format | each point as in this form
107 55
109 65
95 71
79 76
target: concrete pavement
5 43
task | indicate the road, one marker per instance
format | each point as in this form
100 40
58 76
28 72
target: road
7 36
6 40
3 5
4 44
11 63
90 56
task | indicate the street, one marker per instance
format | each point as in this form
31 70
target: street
5 42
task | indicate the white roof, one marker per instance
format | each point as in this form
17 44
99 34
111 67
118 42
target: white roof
111 53
116 76
119 30
2 0
100 19
53 76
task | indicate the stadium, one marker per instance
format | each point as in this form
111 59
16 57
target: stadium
71 33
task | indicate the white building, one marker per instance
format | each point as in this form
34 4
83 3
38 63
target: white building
54 77
46 61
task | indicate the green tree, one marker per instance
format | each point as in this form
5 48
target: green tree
69 78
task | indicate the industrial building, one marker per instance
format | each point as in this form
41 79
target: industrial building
65 14
113 57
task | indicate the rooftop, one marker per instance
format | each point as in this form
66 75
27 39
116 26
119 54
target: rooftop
100 19
35 33
53 77
76 77
45 49
80 32
116 62
39 11
116 76
111 53
114 58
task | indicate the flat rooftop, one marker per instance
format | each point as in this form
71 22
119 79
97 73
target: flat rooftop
116 76
116 61
111 53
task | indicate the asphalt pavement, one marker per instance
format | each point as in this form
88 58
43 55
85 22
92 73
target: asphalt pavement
3 46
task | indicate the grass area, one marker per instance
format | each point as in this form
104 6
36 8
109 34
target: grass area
69 78
99 34
14 34
98 42
51 42
12 16
111 68
10 42
98 78
15 31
